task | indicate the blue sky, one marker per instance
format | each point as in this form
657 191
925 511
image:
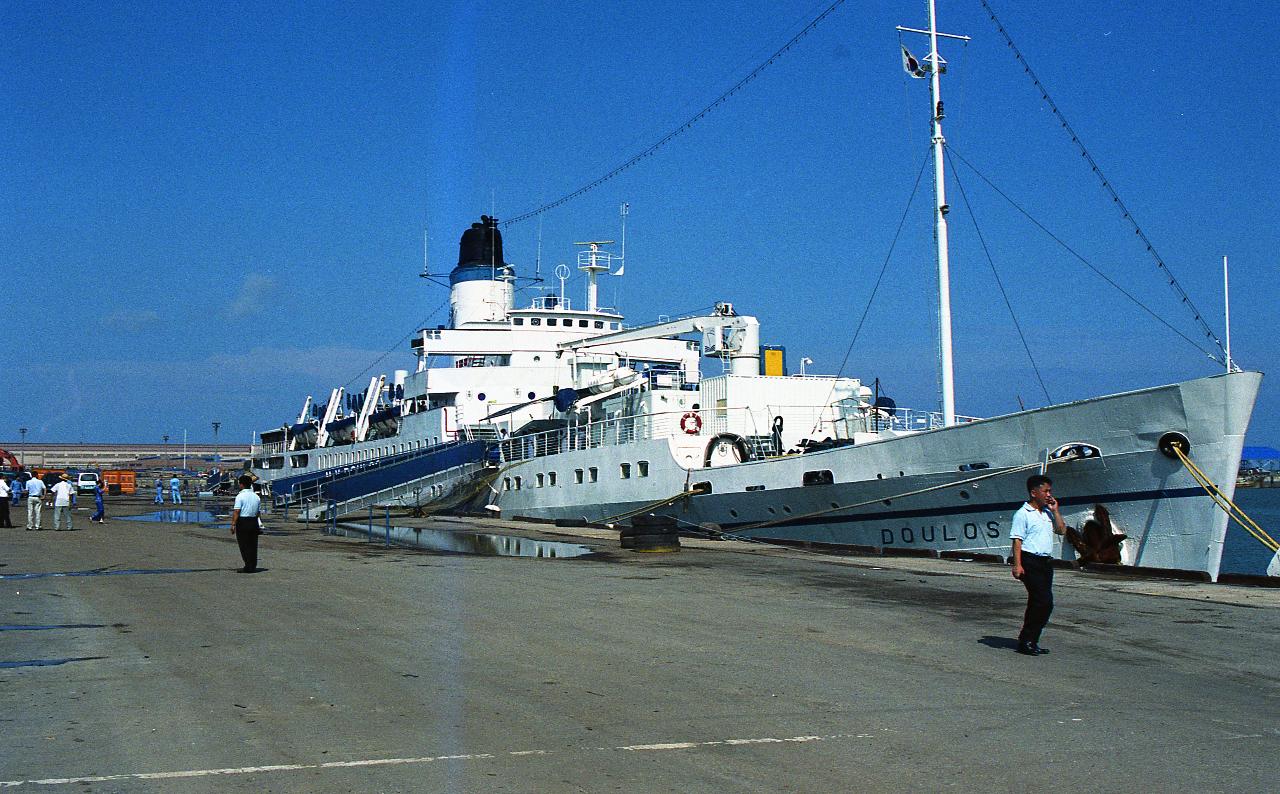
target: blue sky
208 214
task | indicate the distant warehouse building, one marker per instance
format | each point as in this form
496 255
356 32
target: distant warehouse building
126 456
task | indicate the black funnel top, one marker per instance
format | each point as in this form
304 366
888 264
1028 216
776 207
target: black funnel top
481 244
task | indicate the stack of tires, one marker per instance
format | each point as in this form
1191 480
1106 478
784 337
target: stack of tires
651 533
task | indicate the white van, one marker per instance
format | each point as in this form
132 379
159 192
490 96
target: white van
86 481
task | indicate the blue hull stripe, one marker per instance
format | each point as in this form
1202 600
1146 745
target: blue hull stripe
998 507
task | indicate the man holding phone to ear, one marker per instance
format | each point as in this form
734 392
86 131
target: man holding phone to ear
1034 526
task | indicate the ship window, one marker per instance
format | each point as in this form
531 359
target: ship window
577 476
624 470
535 321
518 321
599 324
642 468
542 479
506 483
822 477
298 461
593 474
613 326
518 483
532 395
551 478
551 321
582 323
480 396
755 487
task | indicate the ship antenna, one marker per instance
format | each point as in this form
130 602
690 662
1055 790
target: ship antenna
537 262
934 65
425 268
624 210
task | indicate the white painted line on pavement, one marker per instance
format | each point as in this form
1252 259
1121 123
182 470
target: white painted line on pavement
426 759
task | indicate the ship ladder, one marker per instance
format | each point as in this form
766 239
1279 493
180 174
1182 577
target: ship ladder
1232 509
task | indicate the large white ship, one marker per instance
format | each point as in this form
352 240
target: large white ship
560 411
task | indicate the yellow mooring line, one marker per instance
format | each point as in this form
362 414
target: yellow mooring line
1230 507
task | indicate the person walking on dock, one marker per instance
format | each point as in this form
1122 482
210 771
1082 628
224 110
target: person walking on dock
35 502
245 524
175 490
17 489
100 505
159 492
6 494
64 498
1034 526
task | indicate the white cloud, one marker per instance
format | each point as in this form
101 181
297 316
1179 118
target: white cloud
132 321
254 296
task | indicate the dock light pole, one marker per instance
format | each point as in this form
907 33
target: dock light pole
22 453
216 425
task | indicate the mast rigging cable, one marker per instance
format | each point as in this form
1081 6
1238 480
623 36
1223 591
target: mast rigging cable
1106 185
720 100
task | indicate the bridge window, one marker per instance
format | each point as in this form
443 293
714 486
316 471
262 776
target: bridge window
599 324
518 321
298 461
542 480
551 478
624 470
518 483
506 483
613 326
551 321
577 476
535 321
642 468
593 474
582 323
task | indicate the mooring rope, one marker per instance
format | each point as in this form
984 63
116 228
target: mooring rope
1222 500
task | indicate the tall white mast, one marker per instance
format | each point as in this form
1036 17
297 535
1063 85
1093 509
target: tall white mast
936 65
940 230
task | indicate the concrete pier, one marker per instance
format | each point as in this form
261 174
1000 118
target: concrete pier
348 666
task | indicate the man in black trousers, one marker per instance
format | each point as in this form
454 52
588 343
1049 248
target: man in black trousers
245 524
1034 526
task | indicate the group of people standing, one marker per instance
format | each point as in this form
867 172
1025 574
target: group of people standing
175 490
61 496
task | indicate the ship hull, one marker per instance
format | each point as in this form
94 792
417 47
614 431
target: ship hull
952 489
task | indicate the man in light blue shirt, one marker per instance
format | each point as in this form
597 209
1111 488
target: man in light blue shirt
245 524
175 490
1034 526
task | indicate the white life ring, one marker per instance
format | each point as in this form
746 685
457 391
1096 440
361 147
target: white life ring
691 423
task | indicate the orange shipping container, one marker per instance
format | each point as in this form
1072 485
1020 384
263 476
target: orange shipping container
120 481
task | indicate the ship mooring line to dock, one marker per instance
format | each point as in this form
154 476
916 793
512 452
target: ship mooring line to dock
1224 502
431 759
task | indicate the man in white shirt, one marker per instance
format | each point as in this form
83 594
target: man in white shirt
35 502
5 494
245 524
64 496
1034 526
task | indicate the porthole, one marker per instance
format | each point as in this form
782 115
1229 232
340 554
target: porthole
879 476
532 395
786 510
772 512
480 396
902 474
964 494
835 506
888 502
733 513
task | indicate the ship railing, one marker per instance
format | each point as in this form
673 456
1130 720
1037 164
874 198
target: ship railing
762 429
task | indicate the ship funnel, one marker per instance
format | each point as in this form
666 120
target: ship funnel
481 286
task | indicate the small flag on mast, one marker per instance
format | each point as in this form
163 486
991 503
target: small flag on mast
912 65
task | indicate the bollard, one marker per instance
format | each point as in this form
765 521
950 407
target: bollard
387 541
370 523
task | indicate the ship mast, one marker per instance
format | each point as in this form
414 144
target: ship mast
935 65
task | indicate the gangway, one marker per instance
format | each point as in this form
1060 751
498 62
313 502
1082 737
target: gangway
434 471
